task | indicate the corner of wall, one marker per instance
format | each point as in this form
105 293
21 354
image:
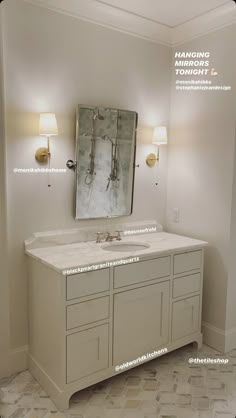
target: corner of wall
223 341
19 359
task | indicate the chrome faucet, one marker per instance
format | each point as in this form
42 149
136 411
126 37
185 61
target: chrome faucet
108 237
99 237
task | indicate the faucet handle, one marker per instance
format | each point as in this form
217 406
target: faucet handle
99 237
119 235
108 237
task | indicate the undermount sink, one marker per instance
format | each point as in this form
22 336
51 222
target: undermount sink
125 246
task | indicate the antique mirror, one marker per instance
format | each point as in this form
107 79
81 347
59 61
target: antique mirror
105 155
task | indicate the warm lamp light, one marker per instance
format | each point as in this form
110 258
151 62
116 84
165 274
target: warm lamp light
48 124
160 135
48 128
159 138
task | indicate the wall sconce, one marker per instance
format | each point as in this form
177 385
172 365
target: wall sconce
48 128
159 138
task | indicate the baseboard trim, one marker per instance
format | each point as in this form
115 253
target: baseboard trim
19 359
214 337
223 341
230 342
4 365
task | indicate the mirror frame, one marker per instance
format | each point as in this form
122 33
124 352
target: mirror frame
77 162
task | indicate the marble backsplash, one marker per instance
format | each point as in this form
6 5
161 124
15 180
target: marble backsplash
71 236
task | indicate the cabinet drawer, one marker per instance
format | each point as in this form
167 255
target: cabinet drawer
187 261
86 312
89 283
187 284
87 352
185 317
141 271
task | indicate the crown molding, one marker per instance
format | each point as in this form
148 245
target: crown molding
204 24
103 15
117 19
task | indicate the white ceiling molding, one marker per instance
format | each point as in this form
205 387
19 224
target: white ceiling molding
98 13
131 23
209 22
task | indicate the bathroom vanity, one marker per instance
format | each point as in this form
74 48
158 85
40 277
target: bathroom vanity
83 325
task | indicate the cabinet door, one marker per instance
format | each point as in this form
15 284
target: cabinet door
87 352
185 317
140 321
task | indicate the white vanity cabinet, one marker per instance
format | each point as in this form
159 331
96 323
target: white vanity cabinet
84 325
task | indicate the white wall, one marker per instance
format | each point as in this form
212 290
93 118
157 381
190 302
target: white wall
53 63
200 172
231 290
4 288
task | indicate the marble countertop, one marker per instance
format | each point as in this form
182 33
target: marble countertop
83 254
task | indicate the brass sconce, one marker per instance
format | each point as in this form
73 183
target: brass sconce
48 128
159 138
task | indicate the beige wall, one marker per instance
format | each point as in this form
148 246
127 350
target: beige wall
53 63
200 170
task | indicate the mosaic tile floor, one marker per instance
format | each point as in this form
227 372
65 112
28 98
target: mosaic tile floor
167 387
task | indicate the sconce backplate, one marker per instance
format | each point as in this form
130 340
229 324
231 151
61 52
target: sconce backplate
42 155
151 159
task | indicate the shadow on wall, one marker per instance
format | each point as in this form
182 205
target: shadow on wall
214 270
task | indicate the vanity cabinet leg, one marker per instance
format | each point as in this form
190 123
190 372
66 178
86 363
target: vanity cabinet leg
198 343
62 402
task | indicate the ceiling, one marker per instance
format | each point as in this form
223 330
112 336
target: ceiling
170 22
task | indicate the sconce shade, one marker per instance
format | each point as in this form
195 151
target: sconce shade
160 135
48 124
